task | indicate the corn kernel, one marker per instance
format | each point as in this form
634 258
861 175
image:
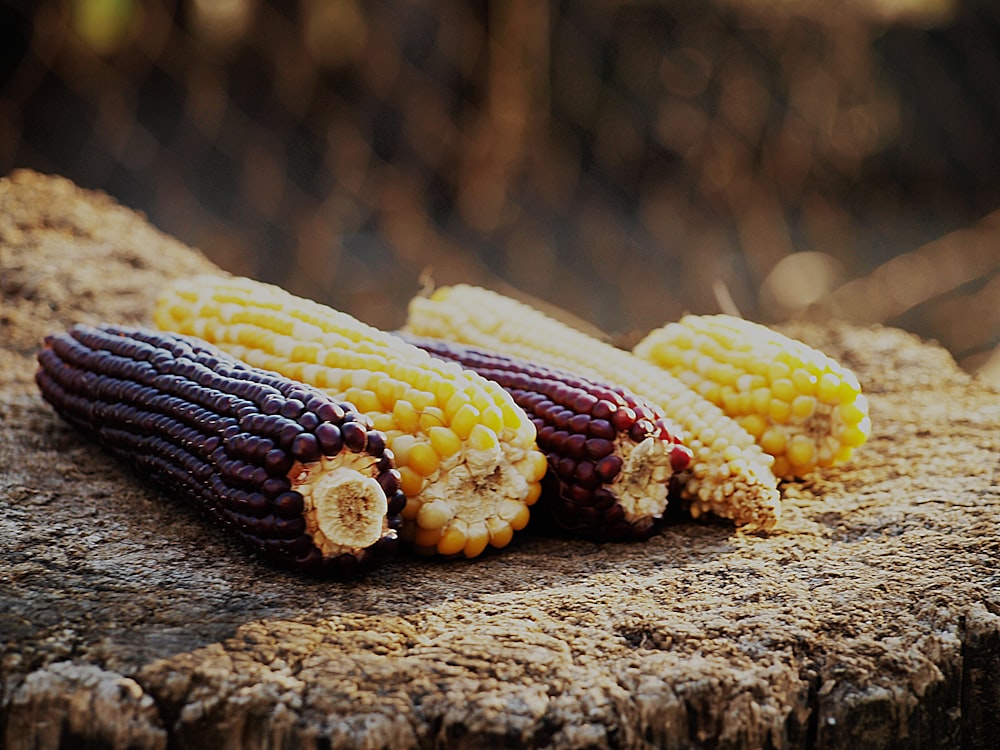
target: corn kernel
755 424
779 411
478 537
492 418
410 482
783 388
801 451
411 509
828 388
803 407
444 440
464 420
435 514
483 439
452 541
855 435
407 418
423 459
500 532
534 492
853 412
773 440
761 399
430 417
426 538
804 381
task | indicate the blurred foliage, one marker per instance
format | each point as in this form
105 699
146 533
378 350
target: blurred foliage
626 161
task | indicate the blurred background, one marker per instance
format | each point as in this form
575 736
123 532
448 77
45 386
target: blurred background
624 161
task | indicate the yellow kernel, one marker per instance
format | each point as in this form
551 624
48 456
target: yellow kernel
387 390
435 514
779 411
710 391
804 381
856 435
781 467
423 459
364 400
773 441
456 402
430 417
536 466
755 424
730 400
534 492
400 445
513 416
445 389
383 421
481 400
803 407
426 537
801 452
407 418
410 482
483 439
843 454
464 420
492 418
411 509
478 537
854 411
500 532
783 388
452 541
444 440
421 400
761 400
778 370
828 388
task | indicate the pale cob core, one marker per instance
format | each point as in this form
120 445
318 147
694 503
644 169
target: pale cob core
345 508
642 484
803 407
465 452
730 476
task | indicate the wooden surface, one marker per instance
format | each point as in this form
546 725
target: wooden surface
869 618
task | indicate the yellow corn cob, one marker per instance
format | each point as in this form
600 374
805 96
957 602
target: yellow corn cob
803 407
465 452
730 476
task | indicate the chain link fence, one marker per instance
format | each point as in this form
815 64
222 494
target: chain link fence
625 161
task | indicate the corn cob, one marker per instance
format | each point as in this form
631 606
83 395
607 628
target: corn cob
804 408
466 453
730 476
304 481
611 455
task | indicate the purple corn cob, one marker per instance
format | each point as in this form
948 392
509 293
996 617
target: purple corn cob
301 479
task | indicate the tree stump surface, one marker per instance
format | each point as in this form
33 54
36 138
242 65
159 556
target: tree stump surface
869 618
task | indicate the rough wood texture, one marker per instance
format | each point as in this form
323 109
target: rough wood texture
871 618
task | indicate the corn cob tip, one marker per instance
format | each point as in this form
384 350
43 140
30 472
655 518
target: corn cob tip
802 407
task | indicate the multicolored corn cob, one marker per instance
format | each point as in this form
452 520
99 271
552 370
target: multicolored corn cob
730 476
803 407
466 453
611 455
303 480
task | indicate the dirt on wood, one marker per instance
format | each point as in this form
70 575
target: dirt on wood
869 618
